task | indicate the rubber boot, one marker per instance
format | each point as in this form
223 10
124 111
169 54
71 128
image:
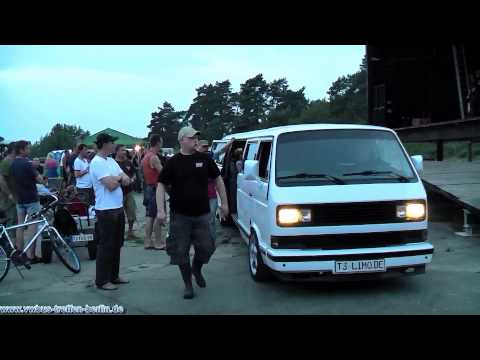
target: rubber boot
186 272
197 273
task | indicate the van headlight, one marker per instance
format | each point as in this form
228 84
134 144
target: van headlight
411 211
291 216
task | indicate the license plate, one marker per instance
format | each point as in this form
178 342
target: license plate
82 237
359 266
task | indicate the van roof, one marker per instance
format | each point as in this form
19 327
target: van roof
275 131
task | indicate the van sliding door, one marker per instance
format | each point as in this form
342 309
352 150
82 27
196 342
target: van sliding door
245 189
260 190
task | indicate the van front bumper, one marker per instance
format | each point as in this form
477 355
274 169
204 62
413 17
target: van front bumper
396 257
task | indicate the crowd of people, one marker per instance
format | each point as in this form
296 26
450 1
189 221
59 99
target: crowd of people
106 179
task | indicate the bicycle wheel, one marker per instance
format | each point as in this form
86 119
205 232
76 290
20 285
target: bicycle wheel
65 253
4 263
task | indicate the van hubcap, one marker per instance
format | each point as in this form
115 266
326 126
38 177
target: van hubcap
253 257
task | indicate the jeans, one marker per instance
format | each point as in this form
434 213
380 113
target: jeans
28 209
111 226
212 219
149 191
150 201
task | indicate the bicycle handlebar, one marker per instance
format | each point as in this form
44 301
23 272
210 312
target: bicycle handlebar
50 205
44 209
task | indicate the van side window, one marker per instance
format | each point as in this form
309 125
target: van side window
251 151
263 157
248 154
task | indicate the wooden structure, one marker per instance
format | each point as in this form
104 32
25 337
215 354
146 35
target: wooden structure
425 94
458 181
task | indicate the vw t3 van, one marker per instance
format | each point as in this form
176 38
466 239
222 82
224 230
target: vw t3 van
327 201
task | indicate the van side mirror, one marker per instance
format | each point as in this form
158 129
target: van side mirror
250 169
418 163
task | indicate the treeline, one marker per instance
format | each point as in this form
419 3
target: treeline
61 137
217 110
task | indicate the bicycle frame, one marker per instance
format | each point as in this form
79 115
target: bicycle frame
54 235
27 223
4 231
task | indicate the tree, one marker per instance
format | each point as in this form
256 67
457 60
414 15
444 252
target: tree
61 137
217 111
166 122
213 110
285 105
317 111
348 97
253 104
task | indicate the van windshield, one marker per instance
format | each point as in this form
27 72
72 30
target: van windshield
329 157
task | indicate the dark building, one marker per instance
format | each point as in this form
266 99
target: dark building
418 85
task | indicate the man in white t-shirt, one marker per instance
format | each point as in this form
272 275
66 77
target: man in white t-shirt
83 181
107 179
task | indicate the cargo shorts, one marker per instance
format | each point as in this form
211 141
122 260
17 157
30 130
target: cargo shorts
186 231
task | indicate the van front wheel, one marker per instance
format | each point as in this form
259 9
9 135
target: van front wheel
258 270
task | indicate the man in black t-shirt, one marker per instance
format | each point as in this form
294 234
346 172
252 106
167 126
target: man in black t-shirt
187 173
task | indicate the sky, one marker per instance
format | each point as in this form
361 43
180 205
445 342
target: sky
102 86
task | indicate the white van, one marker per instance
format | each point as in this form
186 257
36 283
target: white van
328 201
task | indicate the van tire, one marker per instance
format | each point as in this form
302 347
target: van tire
258 270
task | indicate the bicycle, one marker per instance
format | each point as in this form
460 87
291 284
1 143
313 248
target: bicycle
10 254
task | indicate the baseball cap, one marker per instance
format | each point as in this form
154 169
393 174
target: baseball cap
187 132
104 138
203 143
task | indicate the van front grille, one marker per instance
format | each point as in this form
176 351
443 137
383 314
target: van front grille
355 213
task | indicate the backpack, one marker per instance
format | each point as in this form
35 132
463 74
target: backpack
64 222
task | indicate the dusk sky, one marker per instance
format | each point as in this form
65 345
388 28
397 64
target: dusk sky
96 87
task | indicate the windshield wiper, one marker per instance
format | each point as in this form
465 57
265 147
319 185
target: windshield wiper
307 175
373 172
